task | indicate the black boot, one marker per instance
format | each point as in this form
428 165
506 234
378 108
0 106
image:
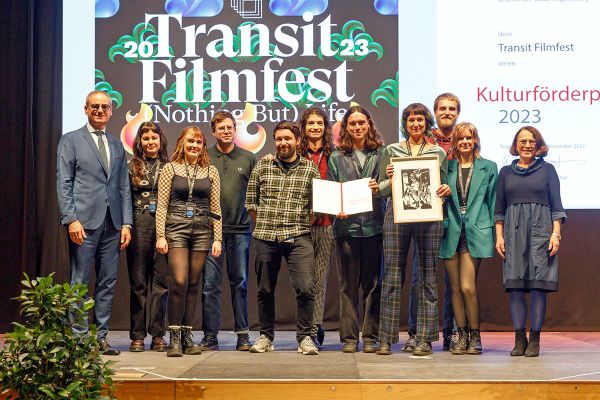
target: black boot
187 342
533 348
520 343
474 342
460 346
174 348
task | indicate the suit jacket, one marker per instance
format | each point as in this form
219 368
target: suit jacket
479 218
85 188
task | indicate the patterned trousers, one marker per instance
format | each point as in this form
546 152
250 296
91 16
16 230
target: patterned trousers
322 237
427 237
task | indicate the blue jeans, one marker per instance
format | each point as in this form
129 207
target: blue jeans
236 248
413 304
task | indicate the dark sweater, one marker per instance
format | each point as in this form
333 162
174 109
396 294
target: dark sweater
537 184
234 171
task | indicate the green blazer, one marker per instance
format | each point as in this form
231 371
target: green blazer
479 218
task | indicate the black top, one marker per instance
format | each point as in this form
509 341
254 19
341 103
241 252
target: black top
147 188
234 172
180 191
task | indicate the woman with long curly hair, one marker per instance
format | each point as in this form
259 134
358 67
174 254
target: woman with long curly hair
316 144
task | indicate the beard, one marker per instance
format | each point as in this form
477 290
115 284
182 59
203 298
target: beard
285 153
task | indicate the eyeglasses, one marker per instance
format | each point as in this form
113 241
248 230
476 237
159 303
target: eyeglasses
225 128
96 107
529 142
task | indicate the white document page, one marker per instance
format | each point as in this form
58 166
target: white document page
327 197
357 197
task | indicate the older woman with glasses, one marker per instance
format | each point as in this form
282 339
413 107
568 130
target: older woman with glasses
529 214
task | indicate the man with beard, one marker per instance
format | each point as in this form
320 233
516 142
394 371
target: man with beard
446 109
279 201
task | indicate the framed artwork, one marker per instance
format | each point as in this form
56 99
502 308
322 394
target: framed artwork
414 184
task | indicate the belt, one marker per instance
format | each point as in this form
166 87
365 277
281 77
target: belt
199 211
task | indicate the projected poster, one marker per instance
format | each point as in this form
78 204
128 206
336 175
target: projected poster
515 63
177 62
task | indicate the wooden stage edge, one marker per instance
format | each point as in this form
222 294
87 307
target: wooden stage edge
355 390
568 368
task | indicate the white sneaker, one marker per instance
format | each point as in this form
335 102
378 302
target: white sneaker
307 347
262 345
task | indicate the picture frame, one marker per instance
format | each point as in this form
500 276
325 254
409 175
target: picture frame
414 186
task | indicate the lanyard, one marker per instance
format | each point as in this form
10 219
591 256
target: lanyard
318 163
464 188
191 181
410 150
156 169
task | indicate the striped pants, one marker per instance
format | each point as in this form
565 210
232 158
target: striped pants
322 237
427 237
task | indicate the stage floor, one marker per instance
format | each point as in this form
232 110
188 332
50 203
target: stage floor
564 357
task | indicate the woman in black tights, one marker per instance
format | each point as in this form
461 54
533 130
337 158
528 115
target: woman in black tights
188 216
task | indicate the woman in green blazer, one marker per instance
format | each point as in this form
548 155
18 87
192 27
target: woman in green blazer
468 231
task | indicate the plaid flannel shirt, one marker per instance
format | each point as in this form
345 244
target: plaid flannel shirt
282 201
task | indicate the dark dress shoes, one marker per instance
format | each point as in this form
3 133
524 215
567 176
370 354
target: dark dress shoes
136 346
158 344
106 350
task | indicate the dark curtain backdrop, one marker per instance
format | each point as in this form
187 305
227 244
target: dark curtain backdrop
32 240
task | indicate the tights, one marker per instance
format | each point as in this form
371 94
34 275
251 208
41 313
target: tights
185 269
518 309
462 273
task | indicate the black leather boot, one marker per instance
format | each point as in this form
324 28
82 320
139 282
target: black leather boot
174 348
460 346
474 342
533 348
520 343
187 342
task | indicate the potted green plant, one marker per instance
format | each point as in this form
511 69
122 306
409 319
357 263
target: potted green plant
43 358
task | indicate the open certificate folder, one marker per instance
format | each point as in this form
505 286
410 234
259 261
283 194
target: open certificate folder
351 197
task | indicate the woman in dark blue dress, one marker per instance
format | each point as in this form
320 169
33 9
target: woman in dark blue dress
529 214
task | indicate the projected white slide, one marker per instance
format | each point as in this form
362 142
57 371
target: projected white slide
515 63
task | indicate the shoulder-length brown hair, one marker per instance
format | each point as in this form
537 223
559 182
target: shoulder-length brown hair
136 165
327 141
540 144
179 153
373 140
460 128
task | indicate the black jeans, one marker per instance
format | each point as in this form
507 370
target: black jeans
359 261
148 277
299 256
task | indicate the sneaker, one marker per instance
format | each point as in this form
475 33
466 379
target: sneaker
262 345
209 342
410 344
350 346
422 349
385 349
307 347
369 346
243 342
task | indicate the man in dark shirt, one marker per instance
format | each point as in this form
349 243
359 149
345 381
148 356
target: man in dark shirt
278 199
234 165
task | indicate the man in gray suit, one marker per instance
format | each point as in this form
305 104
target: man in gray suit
95 205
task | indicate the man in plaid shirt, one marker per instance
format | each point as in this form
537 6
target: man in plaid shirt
279 201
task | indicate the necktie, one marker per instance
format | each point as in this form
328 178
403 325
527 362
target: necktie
102 149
